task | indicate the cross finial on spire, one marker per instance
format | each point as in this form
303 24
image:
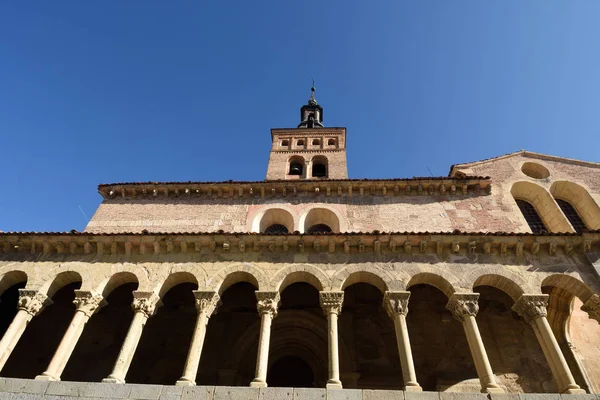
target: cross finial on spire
312 101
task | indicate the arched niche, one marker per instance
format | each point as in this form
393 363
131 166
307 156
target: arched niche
320 167
272 217
580 199
321 216
544 205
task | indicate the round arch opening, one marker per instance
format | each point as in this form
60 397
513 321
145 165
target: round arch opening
276 220
321 220
291 371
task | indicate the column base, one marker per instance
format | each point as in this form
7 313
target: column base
43 377
258 384
185 382
492 390
413 388
332 384
569 391
112 379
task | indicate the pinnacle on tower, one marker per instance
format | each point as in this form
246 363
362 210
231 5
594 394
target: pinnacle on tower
311 114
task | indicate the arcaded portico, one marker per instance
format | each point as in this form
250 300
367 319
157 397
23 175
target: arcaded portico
485 280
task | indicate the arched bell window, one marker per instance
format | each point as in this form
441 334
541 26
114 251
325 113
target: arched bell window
319 167
296 166
572 215
331 142
276 229
319 228
316 142
531 216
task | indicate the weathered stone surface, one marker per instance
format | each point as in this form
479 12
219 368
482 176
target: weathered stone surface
171 393
344 394
107 390
145 392
198 393
579 396
274 393
309 394
539 396
23 386
383 394
422 395
504 396
462 396
235 393
66 388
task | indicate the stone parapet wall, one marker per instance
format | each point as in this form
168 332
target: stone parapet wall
28 389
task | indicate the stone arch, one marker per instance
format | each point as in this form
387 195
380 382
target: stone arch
59 281
114 281
433 279
273 214
322 214
319 167
358 274
238 273
544 204
306 273
570 284
175 279
11 278
580 199
503 283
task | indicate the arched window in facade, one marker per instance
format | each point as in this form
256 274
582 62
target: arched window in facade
316 142
300 142
319 167
296 166
331 142
572 215
319 228
276 229
285 143
531 216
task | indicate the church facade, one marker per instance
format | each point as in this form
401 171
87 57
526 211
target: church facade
482 281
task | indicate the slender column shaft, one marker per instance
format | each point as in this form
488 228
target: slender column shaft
267 308
206 302
464 307
331 303
144 305
87 304
396 305
31 303
533 308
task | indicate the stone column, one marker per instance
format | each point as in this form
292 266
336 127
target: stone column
533 308
144 306
267 309
31 303
331 303
464 307
307 170
87 303
206 302
396 305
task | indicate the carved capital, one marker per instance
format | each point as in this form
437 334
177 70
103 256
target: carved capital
531 306
396 303
267 302
145 302
206 302
88 302
32 301
331 302
592 307
462 305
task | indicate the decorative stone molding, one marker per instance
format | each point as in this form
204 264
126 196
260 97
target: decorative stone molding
88 302
396 303
331 302
462 305
206 302
267 302
592 307
145 302
531 306
32 301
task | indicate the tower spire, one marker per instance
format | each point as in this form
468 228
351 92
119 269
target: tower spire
311 114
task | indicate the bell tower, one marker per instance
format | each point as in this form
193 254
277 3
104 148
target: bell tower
310 151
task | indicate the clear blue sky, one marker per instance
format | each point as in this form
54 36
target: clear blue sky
117 91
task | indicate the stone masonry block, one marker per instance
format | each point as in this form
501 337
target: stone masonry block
171 393
22 396
309 394
586 396
107 390
144 392
235 393
539 396
75 389
272 393
504 396
383 395
23 386
344 394
198 393
422 395
462 396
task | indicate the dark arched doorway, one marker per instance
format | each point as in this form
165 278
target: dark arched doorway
291 371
